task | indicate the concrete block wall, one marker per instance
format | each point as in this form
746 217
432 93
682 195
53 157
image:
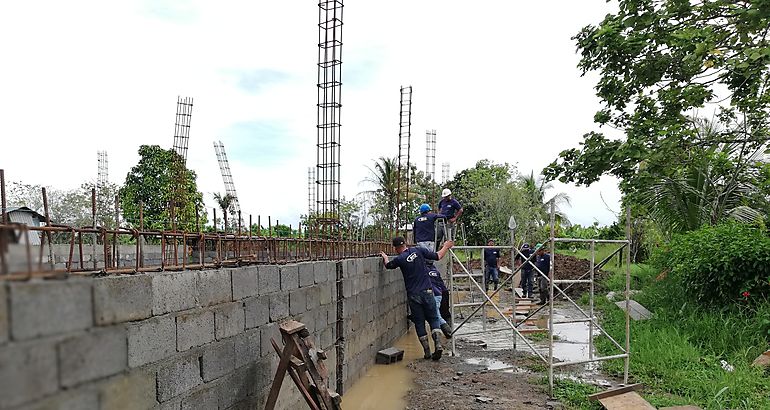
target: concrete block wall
190 339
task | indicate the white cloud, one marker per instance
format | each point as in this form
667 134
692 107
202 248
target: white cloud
496 81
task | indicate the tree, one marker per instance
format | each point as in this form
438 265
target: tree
151 183
467 187
534 189
225 203
384 176
659 61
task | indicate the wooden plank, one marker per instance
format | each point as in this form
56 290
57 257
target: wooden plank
626 401
616 391
291 326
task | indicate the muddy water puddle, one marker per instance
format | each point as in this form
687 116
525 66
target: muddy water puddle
385 386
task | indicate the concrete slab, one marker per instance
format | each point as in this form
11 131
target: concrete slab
636 311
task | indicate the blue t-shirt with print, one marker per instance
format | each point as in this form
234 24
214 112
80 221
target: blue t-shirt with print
438 284
544 263
425 227
449 207
414 268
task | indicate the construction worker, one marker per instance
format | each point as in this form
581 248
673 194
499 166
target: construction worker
526 259
451 209
544 265
439 290
425 228
492 268
419 289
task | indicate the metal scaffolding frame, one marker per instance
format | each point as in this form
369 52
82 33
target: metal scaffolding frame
328 113
404 160
555 285
227 175
430 154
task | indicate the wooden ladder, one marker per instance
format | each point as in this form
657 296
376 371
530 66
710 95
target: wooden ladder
305 365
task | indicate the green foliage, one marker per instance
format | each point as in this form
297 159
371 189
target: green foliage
715 265
659 61
677 353
575 394
151 182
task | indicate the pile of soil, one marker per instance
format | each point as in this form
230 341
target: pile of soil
567 267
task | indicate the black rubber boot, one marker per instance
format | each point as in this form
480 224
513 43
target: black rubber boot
437 343
425 346
446 330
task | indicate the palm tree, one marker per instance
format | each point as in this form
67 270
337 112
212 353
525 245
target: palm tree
710 188
225 202
535 188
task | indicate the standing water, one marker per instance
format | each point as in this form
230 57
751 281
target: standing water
385 386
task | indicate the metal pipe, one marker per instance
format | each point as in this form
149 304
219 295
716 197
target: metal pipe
595 359
628 296
550 298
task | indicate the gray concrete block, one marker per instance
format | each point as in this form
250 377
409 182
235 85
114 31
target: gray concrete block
177 377
257 311
215 286
229 320
81 399
92 355
194 329
269 279
151 340
173 292
132 391
323 271
279 306
289 277
297 302
27 371
313 297
267 333
306 275
40 308
205 399
3 314
234 388
122 299
173 404
326 293
245 281
247 347
218 360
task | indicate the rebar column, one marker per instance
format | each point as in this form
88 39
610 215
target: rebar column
328 113
404 166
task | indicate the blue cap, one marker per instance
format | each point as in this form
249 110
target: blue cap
424 208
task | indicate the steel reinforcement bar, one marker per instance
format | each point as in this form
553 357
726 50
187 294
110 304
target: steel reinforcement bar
177 250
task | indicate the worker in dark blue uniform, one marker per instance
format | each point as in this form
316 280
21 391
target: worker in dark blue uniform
492 268
439 290
526 260
451 209
425 228
544 265
419 289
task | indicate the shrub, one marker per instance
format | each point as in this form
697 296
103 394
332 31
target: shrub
719 265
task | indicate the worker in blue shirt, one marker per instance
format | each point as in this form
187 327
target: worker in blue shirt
544 265
425 228
419 289
439 290
492 262
451 209
526 259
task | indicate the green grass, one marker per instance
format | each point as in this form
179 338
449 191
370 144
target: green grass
677 353
573 394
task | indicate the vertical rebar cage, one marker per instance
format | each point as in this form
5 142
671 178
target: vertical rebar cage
444 172
430 154
181 141
227 175
404 166
311 190
328 112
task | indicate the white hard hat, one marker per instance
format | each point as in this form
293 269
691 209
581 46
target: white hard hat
445 193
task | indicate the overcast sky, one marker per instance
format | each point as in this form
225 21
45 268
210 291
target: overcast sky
496 79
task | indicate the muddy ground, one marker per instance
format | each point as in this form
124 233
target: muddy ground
453 383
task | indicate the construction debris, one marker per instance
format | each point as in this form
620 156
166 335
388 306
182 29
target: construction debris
389 355
762 360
